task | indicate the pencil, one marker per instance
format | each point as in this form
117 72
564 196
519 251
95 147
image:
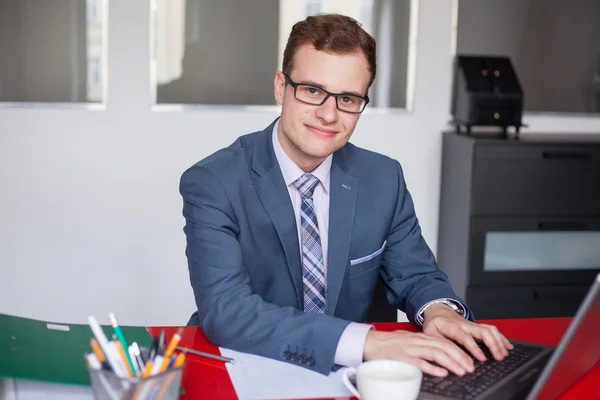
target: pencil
97 350
180 359
147 368
173 343
121 338
123 356
171 348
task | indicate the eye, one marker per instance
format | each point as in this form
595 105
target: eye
313 91
348 100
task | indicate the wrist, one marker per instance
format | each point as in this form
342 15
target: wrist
373 345
439 309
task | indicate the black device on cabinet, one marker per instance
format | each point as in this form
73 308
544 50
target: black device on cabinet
486 92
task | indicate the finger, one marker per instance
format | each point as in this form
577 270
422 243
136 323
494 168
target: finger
507 342
469 343
500 339
453 350
509 345
484 333
428 368
430 352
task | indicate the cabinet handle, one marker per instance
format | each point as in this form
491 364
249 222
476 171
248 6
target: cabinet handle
566 155
562 226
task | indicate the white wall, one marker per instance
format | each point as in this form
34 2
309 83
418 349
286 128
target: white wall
90 214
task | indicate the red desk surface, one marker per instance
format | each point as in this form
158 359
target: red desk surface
208 379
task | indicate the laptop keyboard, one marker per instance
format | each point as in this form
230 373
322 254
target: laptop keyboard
486 373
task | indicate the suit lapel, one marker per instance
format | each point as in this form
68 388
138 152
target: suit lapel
342 205
275 198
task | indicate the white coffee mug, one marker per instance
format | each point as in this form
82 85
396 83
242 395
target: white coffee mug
384 380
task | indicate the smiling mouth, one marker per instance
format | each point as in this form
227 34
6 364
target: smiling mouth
321 131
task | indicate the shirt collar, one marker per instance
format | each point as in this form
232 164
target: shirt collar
291 171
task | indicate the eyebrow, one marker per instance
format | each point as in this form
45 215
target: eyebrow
315 84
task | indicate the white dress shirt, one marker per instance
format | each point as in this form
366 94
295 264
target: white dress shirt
350 348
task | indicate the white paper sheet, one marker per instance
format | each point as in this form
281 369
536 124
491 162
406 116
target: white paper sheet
256 377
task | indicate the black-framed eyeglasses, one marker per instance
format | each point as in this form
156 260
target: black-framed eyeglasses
317 96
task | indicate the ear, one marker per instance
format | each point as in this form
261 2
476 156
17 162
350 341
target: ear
279 86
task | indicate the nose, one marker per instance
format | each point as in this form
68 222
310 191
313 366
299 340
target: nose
328 112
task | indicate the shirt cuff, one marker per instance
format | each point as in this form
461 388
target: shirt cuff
350 348
419 319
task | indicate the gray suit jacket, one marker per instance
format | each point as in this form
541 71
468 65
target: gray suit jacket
244 258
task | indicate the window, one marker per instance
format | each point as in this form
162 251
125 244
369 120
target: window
313 7
46 48
94 79
553 44
93 10
227 52
365 14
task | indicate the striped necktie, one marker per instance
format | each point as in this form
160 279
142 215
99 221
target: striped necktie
313 273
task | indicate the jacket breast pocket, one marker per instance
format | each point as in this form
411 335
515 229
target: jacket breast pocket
366 263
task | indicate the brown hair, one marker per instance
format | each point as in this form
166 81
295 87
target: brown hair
332 33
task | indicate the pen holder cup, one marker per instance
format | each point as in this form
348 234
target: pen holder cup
108 386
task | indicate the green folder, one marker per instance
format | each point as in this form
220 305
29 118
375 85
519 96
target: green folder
52 352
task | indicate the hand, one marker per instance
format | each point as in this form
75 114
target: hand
442 322
418 349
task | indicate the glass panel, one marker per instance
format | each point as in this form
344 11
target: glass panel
227 51
554 46
52 50
534 251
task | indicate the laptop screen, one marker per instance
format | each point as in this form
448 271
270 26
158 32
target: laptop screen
577 352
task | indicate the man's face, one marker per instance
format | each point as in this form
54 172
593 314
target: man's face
309 133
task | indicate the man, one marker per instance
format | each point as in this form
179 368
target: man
288 229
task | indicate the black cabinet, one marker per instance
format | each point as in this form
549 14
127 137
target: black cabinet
519 228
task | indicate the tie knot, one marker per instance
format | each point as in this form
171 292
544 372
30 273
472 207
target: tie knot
306 185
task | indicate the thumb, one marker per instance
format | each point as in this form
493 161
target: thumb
432 329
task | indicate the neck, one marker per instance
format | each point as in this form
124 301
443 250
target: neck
303 161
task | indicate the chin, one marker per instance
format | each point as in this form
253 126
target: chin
322 151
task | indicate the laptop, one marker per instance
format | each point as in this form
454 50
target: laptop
531 371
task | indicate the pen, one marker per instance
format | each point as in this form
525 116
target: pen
151 357
93 361
161 342
121 337
172 361
207 355
153 349
137 361
103 342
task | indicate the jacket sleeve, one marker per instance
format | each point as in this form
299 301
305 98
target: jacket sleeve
412 276
230 314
